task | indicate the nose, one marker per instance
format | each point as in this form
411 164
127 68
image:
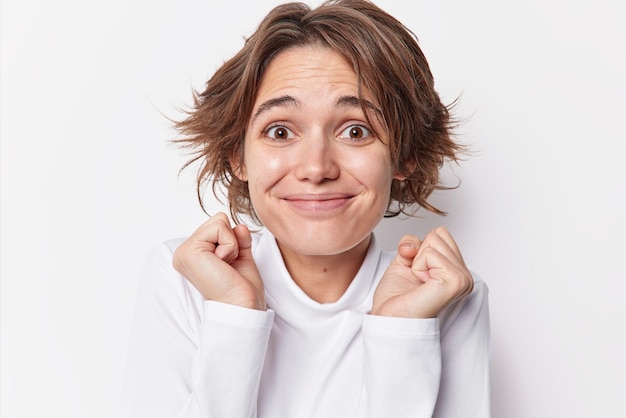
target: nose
317 159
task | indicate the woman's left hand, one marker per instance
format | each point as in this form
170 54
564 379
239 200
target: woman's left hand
424 278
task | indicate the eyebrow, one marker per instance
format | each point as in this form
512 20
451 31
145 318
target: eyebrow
282 101
285 101
353 101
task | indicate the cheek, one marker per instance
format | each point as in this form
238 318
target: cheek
263 171
373 169
261 159
273 164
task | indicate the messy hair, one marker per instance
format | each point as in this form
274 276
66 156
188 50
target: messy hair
388 64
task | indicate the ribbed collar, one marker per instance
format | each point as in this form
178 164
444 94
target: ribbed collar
286 298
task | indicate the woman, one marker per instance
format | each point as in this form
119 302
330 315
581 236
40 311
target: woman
325 121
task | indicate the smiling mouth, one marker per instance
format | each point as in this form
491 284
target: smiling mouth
318 203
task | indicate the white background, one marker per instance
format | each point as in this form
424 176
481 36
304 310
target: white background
90 184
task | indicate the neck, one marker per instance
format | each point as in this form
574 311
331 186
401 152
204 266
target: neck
325 278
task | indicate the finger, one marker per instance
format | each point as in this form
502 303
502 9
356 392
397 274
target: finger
217 236
244 241
408 248
431 261
431 265
442 234
428 261
442 245
245 263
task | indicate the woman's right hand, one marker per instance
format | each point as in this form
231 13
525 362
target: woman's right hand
217 260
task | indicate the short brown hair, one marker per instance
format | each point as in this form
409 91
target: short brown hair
388 64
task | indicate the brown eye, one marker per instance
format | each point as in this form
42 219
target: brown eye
279 133
356 133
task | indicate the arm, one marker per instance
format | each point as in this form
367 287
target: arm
412 369
190 356
465 338
402 366
431 360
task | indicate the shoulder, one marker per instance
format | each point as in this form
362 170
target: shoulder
159 259
162 284
170 245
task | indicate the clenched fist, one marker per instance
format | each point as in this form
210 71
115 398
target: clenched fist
217 260
424 278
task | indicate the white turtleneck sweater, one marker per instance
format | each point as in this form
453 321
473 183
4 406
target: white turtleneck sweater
192 358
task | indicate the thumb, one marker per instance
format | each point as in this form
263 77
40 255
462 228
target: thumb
407 250
245 263
244 240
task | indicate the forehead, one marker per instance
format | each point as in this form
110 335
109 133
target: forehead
306 69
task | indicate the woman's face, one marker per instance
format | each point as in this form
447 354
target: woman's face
319 179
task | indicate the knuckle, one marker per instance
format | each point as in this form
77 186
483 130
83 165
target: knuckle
465 284
460 285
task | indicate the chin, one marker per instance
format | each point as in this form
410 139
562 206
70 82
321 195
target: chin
321 245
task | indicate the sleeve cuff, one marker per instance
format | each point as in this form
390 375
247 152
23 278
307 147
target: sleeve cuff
225 313
400 327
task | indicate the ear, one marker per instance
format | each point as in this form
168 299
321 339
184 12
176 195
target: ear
239 169
397 175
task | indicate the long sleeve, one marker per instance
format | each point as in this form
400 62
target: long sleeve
423 368
191 358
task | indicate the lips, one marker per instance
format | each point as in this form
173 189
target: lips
318 203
